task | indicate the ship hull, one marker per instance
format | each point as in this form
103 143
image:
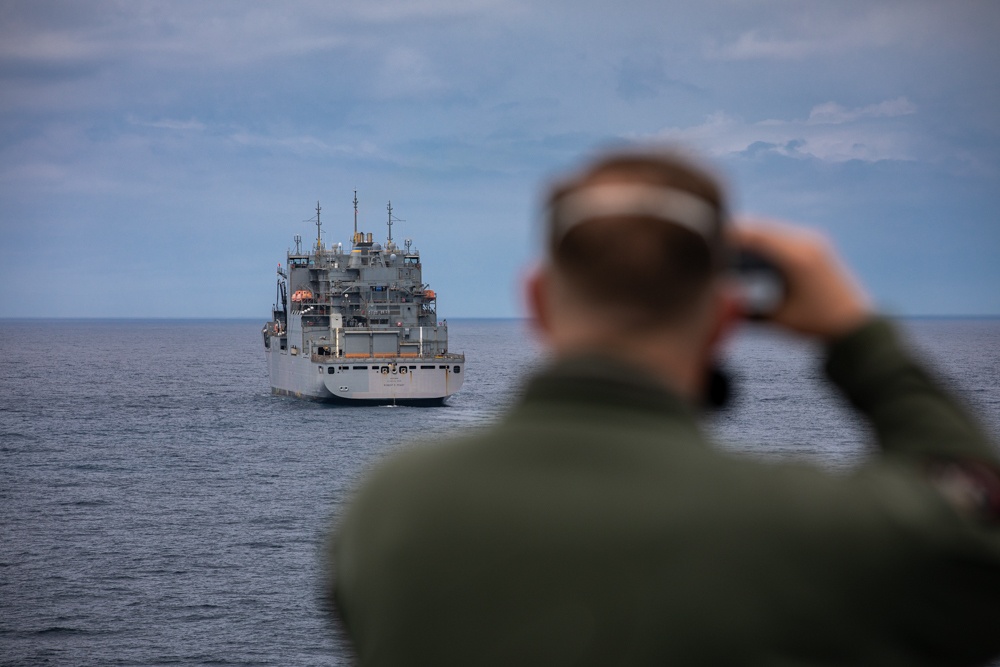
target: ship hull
362 402
366 381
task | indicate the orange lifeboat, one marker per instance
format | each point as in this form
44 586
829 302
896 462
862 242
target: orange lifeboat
302 295
430 295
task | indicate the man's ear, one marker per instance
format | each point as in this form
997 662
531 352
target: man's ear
537 292
726 315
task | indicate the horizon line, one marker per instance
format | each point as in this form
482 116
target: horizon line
897 316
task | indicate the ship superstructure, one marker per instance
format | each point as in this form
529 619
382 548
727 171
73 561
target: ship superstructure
359 325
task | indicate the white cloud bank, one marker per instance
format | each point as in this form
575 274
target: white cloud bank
167 123
796 31
831 132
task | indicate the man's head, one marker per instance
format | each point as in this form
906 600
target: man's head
637 233
635 247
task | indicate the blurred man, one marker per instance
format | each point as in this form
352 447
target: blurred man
596 525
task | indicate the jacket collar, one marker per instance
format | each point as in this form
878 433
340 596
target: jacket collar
601 382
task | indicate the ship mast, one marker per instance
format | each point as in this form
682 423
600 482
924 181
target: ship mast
389 206
319 238
390 221
355 212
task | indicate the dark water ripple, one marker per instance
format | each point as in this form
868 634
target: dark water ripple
159 507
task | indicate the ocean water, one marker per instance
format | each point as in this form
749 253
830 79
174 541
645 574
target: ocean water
158 506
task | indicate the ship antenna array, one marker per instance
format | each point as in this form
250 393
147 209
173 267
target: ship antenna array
391 220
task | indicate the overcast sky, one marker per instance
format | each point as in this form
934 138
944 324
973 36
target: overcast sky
157 158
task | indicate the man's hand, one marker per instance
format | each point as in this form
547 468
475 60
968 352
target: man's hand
822 299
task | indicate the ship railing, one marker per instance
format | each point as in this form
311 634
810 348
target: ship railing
381 355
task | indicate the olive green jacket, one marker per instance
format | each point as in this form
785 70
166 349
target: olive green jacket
595 525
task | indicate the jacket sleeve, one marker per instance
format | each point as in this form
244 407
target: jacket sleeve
914 418
944 588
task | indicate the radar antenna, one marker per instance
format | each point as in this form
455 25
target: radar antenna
355 213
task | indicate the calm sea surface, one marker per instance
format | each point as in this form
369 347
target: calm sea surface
159 507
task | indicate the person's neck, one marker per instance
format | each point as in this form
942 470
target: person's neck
679 366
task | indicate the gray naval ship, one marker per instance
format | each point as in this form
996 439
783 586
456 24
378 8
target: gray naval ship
360 325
